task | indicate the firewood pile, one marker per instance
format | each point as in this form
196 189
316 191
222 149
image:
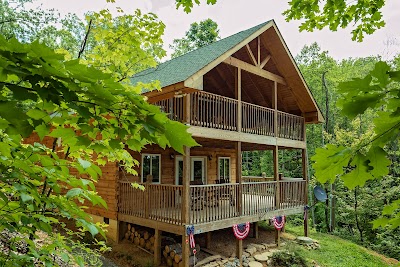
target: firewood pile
173 255
141 237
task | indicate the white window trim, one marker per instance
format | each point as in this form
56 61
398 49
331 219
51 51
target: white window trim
230 173
192 158
159 167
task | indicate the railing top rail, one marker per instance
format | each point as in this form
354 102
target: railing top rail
258 183
213 185
292 180
257 106
219 96
291 115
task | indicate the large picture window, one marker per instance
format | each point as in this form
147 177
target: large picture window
224 169
151 165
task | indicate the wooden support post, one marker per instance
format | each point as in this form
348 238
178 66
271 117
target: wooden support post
185 250
186 109
239 177
276 178
238 94
157 247
305 177
275 150
208 240
255 230
278 237
239 251
186 203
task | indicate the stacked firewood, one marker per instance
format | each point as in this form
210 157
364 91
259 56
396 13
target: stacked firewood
140 237
173 255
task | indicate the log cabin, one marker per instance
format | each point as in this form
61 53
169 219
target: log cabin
241 93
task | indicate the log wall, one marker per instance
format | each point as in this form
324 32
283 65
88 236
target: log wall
168 165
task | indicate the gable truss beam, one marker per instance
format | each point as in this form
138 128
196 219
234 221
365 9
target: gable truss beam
251 55
265 61
255 70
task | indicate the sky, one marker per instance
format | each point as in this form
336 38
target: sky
236 15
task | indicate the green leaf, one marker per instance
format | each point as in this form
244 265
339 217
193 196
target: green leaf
37 114
329 162
74 192
84 163
26 198
359 174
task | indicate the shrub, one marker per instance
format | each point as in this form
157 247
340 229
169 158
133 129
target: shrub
287 259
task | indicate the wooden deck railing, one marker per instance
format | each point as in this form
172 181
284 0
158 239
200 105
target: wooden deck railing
209 203
213 111
173 107
220 112
252 179
292 193
290 126
257 119
157 202
258 198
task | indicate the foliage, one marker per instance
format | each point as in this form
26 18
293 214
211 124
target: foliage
365 16
287 259
199 34
338 252
90 119
187 5
368 159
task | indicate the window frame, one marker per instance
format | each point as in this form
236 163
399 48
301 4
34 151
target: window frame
219 169
151 169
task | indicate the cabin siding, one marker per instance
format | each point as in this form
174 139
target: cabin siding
106 186
168 168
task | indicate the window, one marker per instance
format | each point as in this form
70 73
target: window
151 165
224 169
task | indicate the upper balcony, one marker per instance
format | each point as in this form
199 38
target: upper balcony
219 112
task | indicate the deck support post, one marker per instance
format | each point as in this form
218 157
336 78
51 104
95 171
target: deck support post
186 204
157 247
239 251
278 237
208 240
255 230
239 177
238 95
275 149
305 177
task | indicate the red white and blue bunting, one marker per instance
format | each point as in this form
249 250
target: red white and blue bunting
279 222
190 233
242 230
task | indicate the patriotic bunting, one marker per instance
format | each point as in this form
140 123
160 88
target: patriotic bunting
241 230
279 222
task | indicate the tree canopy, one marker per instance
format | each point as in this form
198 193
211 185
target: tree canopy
199 34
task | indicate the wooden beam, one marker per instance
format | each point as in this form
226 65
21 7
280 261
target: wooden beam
239 176
239 251
186 109
276 176
259 51
305 174
208 240
238 85
255 70
157 247
222 224
255 230
164 90
251 55
186 203
265 61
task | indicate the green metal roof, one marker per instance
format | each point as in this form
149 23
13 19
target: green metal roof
181 68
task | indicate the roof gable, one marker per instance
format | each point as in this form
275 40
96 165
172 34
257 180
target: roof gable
188 70
183 67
